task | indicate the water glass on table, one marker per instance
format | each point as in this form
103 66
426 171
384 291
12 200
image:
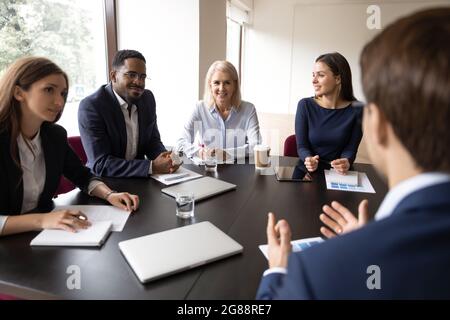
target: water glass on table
185 204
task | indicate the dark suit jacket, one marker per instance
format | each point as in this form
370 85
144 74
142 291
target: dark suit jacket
104 135
411 248
60 159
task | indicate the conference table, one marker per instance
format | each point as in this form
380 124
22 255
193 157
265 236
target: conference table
42 272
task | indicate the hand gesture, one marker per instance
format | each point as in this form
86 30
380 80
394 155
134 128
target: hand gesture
339 220
163 163
311 163
341 165
279 240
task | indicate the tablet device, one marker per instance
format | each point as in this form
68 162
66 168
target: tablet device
296 173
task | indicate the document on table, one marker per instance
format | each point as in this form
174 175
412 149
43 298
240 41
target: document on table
117 216
333 182
182 174
297 245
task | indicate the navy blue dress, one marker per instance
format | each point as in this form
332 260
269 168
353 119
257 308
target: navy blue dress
330 133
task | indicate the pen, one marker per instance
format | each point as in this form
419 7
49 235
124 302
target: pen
184 175
324 161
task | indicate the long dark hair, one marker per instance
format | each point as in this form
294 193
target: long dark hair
23 73
340 67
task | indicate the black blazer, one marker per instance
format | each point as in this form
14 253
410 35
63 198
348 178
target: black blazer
104 135
60 159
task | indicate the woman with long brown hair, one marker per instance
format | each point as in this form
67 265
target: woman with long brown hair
34 152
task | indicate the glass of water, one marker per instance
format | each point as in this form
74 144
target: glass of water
185 204
211 163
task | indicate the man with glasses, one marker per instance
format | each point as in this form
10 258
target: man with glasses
118 123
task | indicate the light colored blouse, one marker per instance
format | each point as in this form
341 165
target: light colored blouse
237 135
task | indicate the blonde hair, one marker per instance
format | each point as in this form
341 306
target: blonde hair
226 67
23 73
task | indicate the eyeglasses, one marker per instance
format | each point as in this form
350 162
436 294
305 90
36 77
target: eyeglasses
134 76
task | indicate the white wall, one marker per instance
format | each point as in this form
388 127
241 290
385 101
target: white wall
166 32
213 42
286 36
179 39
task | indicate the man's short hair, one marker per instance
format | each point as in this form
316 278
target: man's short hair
122 55
406 73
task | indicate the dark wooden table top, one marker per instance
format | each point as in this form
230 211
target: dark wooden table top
40 272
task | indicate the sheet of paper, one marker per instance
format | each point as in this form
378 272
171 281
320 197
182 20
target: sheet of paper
350 178
364 184
117 216
182 174
297 245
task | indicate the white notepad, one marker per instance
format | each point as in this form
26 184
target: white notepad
164 253
350 178
181 175
117 216
93 236
297 245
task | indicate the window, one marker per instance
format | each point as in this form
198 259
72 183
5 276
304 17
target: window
234 43
237 19
68 32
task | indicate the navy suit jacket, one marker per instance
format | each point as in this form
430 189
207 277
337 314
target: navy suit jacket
104 135
60 159
411 248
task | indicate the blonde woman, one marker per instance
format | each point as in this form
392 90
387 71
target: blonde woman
221 124
34 152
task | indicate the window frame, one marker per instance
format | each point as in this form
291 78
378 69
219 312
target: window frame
111 33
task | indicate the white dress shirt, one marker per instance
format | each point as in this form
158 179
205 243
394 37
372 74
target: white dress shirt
33 166
132 126
237 134
395 196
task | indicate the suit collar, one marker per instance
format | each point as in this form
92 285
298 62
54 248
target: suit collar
436 195
407 187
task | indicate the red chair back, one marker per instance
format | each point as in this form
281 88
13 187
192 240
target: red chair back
290 146
76 145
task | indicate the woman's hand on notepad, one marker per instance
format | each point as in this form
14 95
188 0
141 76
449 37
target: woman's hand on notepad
124 201
339 220
69 220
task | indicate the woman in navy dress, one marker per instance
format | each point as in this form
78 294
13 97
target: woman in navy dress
328 125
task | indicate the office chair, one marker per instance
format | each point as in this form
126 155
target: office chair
76 145
290 146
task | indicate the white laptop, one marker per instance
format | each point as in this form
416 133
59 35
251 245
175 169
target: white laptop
202 188
168 252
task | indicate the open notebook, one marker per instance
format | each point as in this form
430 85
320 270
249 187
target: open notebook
93 236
